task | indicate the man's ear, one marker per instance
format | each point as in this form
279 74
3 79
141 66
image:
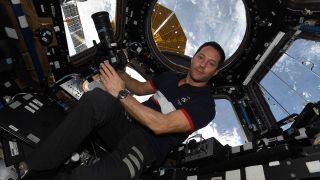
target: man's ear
193 58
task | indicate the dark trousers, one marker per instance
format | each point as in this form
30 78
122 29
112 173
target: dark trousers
97 110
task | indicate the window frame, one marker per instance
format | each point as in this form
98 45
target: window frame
254 90
165 60
227 98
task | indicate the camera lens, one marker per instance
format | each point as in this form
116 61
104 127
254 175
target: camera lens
103 26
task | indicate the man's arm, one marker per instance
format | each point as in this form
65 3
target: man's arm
159 123
136 87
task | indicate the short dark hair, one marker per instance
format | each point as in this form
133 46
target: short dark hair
216 46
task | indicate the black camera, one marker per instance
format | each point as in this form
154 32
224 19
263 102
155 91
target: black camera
106 50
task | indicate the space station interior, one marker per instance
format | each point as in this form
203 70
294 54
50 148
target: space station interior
41 80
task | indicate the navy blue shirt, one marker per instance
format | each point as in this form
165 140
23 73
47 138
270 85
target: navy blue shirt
196 103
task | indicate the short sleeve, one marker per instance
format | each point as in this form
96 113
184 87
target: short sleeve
156 81
199 114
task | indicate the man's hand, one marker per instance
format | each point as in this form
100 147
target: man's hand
110 79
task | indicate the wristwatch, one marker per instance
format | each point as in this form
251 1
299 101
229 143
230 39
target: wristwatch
123 94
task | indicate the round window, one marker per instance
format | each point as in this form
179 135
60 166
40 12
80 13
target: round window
182 26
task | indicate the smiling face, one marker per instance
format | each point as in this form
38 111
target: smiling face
204 65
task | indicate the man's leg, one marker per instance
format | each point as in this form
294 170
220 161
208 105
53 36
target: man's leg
126 162
95 108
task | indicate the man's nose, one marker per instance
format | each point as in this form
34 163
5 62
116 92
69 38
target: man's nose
203 63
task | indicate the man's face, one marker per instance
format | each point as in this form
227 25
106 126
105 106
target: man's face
204 64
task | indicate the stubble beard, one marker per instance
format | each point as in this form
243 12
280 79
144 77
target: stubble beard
201 80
